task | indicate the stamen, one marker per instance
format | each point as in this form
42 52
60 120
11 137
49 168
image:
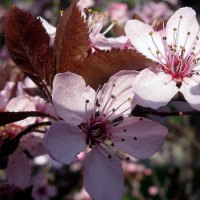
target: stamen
115 109
114 22
86 110
110 99
151 34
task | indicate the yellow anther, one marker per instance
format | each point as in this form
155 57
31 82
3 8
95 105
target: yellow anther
157 52
90 10
104 14
61 12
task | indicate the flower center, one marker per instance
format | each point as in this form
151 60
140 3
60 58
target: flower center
178 60
105 116
96 21
96 130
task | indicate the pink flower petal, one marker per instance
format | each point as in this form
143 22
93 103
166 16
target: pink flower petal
64 142
190 89
153 88
19 169
141 138
103 178
188 23
69 97
22 103
5 94
119 87
139 35
33 143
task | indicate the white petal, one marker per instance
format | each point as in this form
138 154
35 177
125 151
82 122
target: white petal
188 23
139 35
120 87
190 89
51 30
19 169
103 177
64 142
153 88
141 137
69 97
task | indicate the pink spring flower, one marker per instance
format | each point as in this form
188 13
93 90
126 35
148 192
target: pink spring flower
151 11
30 145
96 21
100 120
176 49
42 190
118 11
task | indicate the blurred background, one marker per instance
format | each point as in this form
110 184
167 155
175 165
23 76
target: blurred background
173 173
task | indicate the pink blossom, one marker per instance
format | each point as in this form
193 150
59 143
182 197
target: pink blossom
101 121
19 162
151 11
96 21
42 190
176 50
30 145
153 190
118 12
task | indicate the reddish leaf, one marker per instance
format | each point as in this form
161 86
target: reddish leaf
28 45
72 40
97 68
10 117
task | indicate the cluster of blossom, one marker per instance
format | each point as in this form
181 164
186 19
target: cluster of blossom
101 123
13 98
102 119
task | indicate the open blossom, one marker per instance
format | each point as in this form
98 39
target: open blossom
176 49
96 21
101 121
30 145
